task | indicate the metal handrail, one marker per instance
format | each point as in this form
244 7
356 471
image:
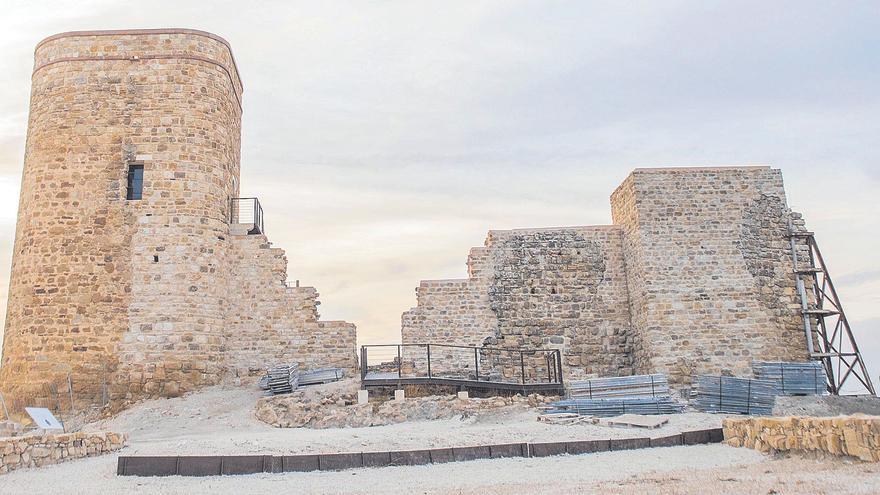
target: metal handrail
482 348
247 211
553 360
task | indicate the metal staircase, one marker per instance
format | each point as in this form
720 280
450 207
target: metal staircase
825 324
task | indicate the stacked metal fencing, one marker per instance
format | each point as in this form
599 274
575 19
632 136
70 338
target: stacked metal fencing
615 407
793 378
321 375
727 394
285 378
282 379
622 386
605 397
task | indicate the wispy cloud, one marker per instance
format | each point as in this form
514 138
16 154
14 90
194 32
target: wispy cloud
386 138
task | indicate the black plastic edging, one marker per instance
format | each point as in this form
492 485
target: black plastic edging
252 464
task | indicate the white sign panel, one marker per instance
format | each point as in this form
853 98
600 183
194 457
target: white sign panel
43 418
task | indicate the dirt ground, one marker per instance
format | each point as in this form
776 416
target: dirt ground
704 469
190 425
826 405
220 420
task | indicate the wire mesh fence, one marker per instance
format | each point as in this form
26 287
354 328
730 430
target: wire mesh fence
73 398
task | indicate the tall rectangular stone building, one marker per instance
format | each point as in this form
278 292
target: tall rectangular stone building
694 276
133 271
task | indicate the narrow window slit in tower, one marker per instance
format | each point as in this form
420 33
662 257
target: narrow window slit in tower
135 181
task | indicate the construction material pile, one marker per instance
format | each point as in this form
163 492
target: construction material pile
285 378
605 408
321 375
728 394
622 386
605 397
793 378
281 379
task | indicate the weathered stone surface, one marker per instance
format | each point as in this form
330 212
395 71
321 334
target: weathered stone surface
150 297
855 436
694 276
41 450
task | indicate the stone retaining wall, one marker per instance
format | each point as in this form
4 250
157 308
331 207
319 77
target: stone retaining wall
856 436
42 450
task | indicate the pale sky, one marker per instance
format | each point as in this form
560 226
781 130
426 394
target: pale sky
385 138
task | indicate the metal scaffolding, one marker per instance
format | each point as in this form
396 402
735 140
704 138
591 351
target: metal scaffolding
825 324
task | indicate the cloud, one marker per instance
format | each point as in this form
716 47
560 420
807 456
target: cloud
859 278
386 138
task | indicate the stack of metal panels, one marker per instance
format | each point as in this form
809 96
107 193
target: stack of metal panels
283 379
321 375
793 378
616 407
728 394
618 387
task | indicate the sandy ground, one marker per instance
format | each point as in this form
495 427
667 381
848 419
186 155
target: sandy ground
704 469
220 421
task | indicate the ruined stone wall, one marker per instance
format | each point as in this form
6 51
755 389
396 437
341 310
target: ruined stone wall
270 323
709 269
695 276
535 288
132 297
563 288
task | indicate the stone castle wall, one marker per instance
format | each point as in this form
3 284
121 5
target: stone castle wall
694 276
710 275
535 288
269 322
132 297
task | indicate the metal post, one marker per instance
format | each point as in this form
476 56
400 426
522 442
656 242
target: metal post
799 283
429 360
549 378
476 364
522 367
70 390
399 361
559 366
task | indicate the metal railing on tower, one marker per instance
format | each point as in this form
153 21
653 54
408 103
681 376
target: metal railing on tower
247 211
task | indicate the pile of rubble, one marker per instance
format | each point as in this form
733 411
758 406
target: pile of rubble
338 408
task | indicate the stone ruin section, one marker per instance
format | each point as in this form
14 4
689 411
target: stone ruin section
694 276
155 296
709 269
559 288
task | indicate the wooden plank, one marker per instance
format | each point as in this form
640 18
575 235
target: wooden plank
639 420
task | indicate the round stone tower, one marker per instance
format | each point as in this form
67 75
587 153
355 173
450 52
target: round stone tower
118 276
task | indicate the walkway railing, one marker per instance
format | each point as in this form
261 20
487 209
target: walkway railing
247 211
489 367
